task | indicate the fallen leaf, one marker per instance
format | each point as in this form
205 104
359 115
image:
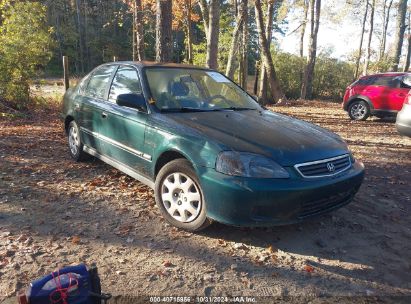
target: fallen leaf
167 264
75 239
309 268
272 249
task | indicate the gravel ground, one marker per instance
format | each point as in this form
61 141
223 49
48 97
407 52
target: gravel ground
55 212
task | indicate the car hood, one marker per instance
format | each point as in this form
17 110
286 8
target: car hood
286 140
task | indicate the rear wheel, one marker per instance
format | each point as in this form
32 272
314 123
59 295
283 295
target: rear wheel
179 196
74 142
359 110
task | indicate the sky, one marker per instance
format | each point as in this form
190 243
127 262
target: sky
342 37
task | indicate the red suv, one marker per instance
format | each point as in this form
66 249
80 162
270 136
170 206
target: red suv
379 95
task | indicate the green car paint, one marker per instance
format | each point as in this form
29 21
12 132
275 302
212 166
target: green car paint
140 142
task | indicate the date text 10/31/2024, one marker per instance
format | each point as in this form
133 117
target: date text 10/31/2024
203 299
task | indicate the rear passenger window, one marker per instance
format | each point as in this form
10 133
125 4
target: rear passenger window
126 81
364 81
384 81
99 81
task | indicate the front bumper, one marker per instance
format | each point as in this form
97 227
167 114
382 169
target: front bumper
268 202
403 122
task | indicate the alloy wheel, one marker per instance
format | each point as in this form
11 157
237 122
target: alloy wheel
74 141
358 111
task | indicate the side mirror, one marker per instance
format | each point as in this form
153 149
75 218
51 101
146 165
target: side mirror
135 101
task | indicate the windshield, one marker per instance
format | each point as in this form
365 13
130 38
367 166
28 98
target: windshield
177 89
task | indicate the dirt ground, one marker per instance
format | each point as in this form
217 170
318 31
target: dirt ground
56 212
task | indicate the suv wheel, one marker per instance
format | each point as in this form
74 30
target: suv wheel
179 196
359 110
74 142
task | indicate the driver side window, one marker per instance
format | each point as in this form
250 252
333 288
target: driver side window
126 81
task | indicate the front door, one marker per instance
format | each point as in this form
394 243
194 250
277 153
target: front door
122 130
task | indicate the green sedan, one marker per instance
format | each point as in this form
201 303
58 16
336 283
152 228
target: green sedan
206 147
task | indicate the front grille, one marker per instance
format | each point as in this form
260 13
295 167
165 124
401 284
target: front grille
325 167
323 205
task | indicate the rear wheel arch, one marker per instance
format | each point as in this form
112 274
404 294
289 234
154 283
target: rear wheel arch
360 98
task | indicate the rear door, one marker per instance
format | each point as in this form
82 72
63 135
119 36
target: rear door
90 102
123 128
398 94
379 92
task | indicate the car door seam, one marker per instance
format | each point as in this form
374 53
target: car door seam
135 152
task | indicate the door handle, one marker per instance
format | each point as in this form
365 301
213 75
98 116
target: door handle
104 114
76 107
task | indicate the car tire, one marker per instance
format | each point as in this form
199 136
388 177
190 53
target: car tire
359 110
74 143
179 196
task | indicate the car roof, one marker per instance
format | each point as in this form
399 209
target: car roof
387 74
142 64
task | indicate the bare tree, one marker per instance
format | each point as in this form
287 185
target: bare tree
138 31
370 32
267 61
399 34
262 94
204 11
303 27
386 19
80 35
307 85
408 58
189 34
213 34
164 45
244 49
234 42
302 34
364 20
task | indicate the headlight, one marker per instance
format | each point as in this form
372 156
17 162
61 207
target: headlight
352 159
249 165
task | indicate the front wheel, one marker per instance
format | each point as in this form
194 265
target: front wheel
179 196
359 110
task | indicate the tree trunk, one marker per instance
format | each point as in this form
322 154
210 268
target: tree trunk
262 94
244 55
204 11
386 19
80 33
364 20
138 26
189 34
307 85
367 58
257 72
408 58
266 58
399 34
164 45
234 43
303 27
213 34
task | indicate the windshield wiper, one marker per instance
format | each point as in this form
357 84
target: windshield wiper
183 109
236 109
